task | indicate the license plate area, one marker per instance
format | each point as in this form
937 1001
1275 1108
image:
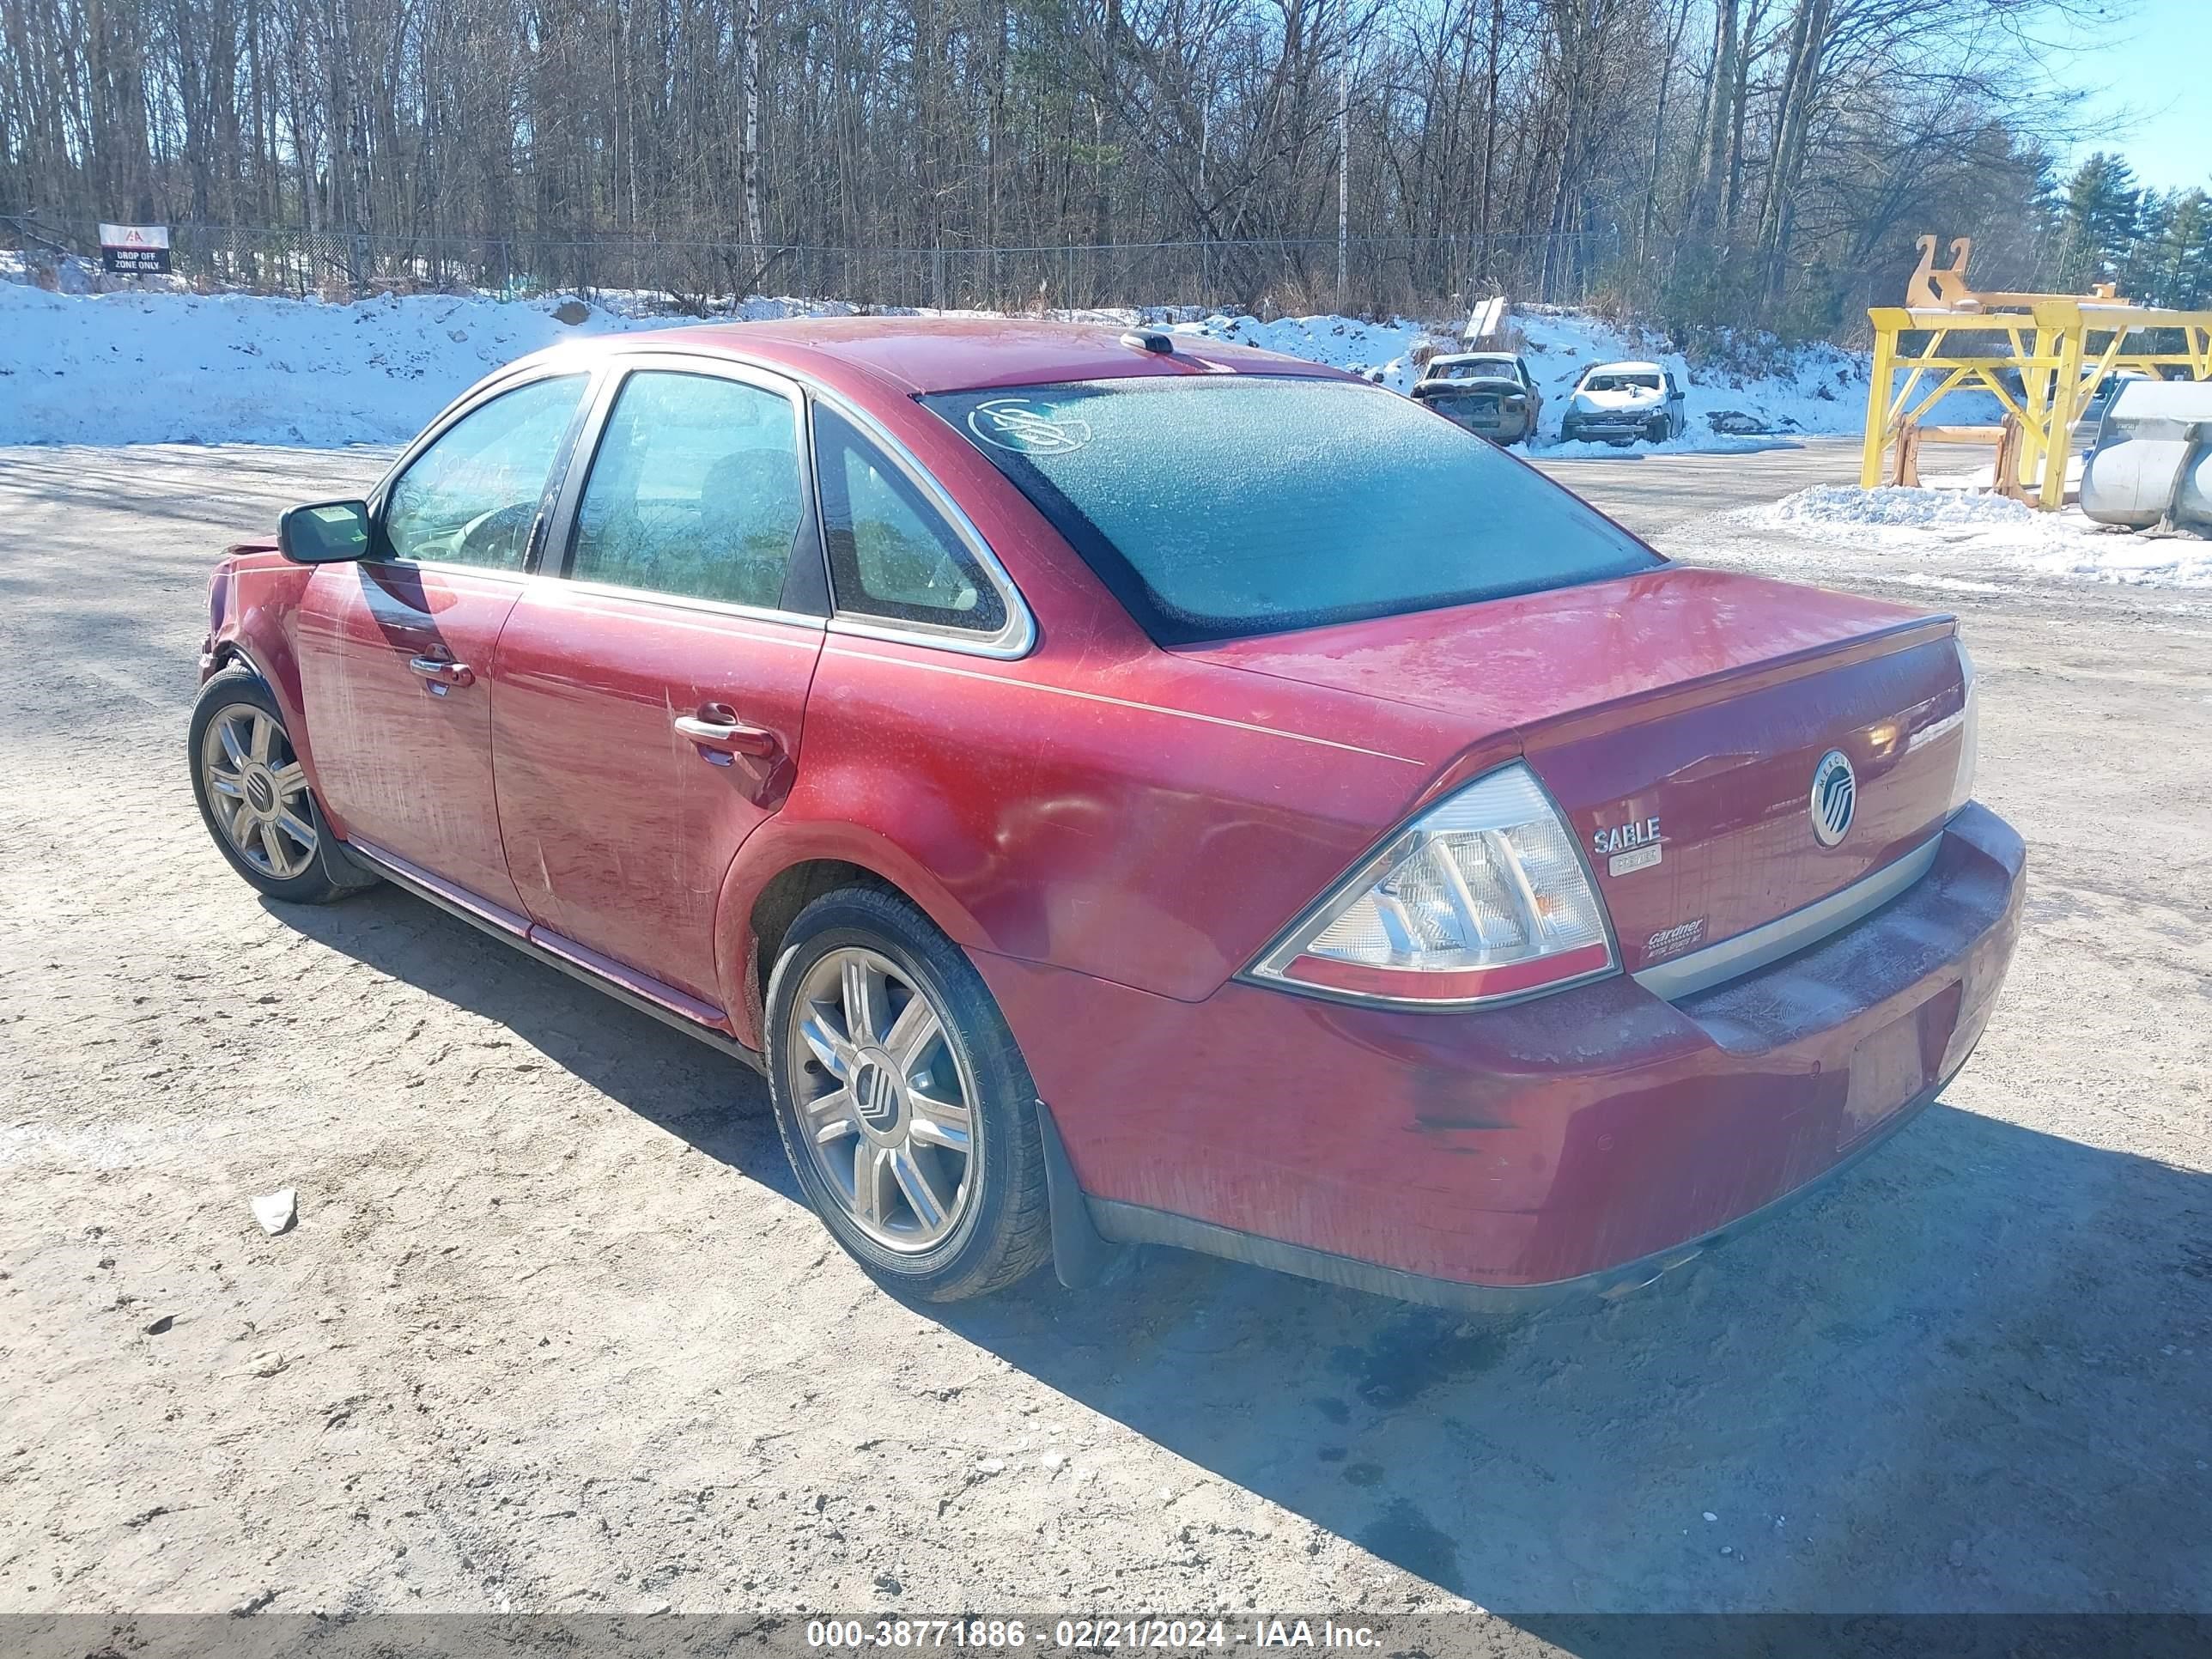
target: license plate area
1893 1066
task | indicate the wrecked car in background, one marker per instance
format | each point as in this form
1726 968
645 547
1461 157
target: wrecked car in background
1490 392
1619 402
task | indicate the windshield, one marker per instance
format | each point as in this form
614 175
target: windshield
1218 508
1483 369
1621 383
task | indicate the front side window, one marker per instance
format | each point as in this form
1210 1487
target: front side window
1219 507
891 555
695 491
472 497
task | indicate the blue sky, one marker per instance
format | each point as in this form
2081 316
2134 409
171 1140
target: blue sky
2151 89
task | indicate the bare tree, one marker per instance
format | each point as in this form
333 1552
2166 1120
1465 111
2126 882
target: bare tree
978 150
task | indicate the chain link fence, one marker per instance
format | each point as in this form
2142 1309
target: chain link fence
1379 274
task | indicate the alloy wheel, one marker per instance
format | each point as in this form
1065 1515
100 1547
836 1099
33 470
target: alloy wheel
884 1103
256 792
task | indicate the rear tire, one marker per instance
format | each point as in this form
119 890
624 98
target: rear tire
254 798
903 1102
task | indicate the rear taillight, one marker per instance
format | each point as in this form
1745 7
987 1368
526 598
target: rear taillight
1483 897
1962 779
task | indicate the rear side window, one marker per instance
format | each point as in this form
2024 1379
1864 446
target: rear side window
1223 507
891 554
695 491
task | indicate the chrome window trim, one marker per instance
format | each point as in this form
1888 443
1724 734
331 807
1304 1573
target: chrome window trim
1015 639
1771 941
607 365
1007 645
443 567
557 583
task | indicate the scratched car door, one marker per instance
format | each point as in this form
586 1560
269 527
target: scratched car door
395 650
650 688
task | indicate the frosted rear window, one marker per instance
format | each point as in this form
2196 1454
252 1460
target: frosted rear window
1221 507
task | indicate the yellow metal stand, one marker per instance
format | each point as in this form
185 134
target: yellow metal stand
2060 347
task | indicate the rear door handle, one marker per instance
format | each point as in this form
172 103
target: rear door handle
716 727
439 672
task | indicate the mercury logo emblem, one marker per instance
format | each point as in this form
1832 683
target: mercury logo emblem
876 1093
1835 798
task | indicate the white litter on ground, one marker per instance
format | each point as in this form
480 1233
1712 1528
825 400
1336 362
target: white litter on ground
1934 526
276 1211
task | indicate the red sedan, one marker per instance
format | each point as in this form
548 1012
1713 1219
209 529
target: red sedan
1121 788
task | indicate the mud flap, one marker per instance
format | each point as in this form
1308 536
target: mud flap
347 871
1081 1256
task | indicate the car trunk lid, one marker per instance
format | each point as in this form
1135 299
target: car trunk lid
1460 399
1679 718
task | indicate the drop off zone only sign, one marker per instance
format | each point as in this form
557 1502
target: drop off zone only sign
134 250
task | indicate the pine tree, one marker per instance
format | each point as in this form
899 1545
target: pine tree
2098 219
2176 255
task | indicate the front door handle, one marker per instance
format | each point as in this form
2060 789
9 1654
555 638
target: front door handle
717 728
440 671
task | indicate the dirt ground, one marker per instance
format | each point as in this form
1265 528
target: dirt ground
553 1332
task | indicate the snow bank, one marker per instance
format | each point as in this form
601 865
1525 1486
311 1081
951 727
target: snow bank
150 367
121 368
1939 526
1897 507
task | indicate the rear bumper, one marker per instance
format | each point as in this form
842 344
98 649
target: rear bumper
1495 424
1570 1143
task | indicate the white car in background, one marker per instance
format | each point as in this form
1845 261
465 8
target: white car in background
1619 402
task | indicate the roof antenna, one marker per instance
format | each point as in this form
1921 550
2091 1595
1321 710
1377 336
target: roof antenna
1148 339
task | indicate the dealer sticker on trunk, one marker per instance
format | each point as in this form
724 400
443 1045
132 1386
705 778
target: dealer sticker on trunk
1672 941
1624 864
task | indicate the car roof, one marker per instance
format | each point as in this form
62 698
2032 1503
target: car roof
1623 369
1474 357
913 355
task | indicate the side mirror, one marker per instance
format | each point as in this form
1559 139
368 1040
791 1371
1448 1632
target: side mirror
328 532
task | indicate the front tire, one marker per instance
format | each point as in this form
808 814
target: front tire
904 1105
254 799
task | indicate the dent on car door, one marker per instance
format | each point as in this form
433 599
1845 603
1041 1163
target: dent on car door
650 688
395 650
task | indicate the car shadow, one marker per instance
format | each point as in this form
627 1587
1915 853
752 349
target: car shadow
1970 1374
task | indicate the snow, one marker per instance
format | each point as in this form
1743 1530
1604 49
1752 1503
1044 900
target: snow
1897 507
1935 526
154 363
165 367
1813 388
